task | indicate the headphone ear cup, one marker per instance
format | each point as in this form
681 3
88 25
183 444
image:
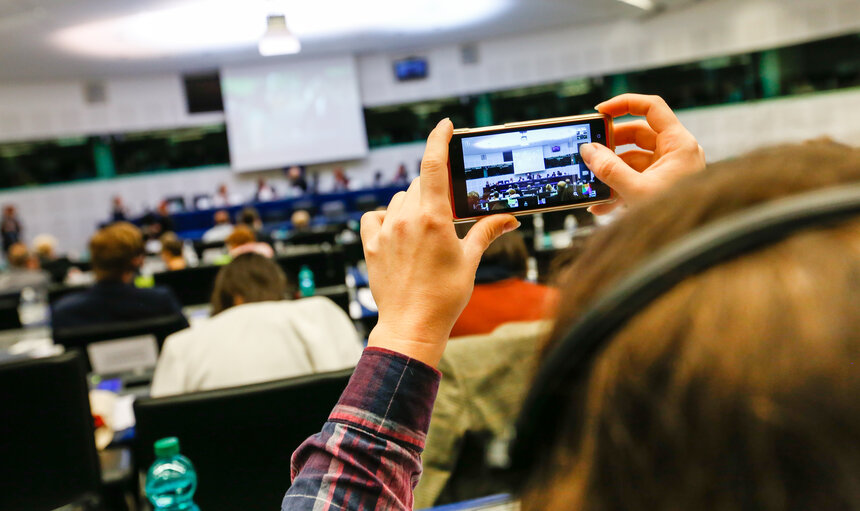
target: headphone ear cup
564 374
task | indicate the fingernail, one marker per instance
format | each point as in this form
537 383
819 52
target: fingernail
443 121
589 209
512 226
586 151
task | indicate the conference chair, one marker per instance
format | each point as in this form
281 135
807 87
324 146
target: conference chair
47 450
192 286
56 292
202 246
327 263
79 337
240 439
9 302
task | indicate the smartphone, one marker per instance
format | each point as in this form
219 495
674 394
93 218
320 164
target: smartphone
526 167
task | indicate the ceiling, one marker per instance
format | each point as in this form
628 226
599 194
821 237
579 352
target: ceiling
30 51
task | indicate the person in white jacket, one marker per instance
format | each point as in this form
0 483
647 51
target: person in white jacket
255 335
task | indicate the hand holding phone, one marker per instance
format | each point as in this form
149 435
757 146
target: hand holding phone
666 151
526 167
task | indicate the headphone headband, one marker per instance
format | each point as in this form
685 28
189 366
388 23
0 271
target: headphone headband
539 422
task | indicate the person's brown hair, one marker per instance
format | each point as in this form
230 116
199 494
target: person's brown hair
171 244
250 276
114 250
241 235
738 388
508 251
18 255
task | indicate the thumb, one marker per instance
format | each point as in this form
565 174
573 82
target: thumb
611 169
485 231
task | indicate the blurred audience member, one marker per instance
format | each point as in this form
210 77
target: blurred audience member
45 247
156 223
116 252
341 180
401 178
301 220
265 192
256 335
221 229
296 178
118 212
223 198
251 217
171 252
10 227
502 295
243 240
23 271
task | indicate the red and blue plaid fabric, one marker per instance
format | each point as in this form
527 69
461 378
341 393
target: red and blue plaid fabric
368 454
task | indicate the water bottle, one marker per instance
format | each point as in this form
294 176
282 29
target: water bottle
306 281
171 480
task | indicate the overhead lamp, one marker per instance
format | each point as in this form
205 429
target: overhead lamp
278 40
645 5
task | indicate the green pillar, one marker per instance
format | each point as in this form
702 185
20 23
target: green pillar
769 73
483 111
103 158
618 84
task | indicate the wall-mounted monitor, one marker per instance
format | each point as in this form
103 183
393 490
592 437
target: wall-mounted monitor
412 68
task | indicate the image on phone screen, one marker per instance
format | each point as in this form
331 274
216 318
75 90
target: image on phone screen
525 169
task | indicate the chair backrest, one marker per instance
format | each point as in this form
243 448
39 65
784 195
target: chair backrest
327 263
9 302
240 439
192 286
47 450
79 337
56 292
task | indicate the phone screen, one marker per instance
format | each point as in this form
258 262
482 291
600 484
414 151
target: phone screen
525 168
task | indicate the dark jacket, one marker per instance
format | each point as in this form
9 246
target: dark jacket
109 302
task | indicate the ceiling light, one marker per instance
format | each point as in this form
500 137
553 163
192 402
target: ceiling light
195 26
278 40
645 5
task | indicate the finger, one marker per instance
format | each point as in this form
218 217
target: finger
636 132
371 223
638 160
610 169
434 168
485 231
396 202
603 209
658 114
412 198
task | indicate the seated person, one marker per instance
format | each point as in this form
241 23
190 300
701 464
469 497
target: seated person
116 252
45 247
243 240
480 396
221 229
23 271
501 293
171 252
256 335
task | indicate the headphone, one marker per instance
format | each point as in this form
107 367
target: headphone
568 364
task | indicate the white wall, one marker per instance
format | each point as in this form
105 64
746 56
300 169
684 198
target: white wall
32 111
712 28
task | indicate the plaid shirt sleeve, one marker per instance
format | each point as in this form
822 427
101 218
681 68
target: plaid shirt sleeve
368 454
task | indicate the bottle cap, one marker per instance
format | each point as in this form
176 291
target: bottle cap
166 447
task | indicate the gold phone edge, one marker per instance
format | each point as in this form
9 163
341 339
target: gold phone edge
534 211
540 122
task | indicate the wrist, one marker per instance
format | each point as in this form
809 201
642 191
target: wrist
427 349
